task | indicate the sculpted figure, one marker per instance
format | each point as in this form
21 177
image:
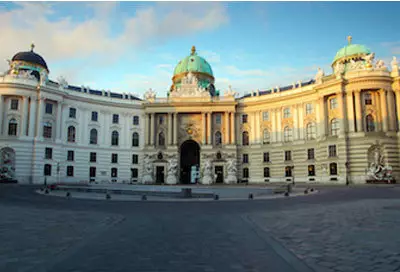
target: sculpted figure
62 82
148 170
319 75
207 173
394 63
380 64
172 170
369 60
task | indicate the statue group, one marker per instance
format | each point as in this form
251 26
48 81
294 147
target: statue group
378 170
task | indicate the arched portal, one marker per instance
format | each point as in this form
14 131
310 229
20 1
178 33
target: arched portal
190 156
7 164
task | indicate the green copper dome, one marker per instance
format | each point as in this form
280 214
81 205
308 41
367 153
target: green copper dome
351 50
193 63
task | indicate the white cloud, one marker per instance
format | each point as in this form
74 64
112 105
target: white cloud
234 71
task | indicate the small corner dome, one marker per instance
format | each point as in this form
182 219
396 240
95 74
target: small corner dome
351 50
30 57
193 63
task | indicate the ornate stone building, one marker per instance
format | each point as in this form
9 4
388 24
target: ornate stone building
343 126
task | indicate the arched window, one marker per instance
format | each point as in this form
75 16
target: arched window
218 138
245 138
135 139
71 134
47 130
245 173
310 131
334 127
93 136
114 138
266 136
12 127
288 134
370 123
161 139
333 169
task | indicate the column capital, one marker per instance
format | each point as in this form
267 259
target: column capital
357 91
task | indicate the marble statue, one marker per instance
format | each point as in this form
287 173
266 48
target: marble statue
148 170
150 95
207 173
230 92
339 69
318 77
293 85
378 169
190 88
380 64
43 78
299 83
395 64
26 74
369 59
277 89
232 170
62 83
172 170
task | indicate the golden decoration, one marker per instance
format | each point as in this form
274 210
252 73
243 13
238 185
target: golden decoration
349 38
193 50
189 131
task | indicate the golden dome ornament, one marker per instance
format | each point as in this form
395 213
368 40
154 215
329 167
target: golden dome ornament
189 131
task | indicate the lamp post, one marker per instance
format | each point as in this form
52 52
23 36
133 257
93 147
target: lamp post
347 164
58 172
292 175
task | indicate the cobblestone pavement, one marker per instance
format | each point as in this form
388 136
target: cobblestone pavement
342 229
357 236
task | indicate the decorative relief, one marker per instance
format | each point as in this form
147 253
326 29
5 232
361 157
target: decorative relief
189 127
287 122
150 95
309 118
190 88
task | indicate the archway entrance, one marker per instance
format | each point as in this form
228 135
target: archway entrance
190 156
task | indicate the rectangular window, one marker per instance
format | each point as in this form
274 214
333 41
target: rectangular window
244 118
72 113
288 155
266 172
218 119
114 172
114 158
47 169
266 157
134 173
95 116
265 116
245 158
286 112
309 109
288 171
48 153
93 157
368 99
310 153
311 170
49 108
135 159
161 120
245 173
47 130
136 120
333 103
115 119
70 171
14 104
70 156
92 172
332 150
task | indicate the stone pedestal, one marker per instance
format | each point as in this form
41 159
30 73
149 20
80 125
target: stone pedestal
230 179
207 180
171 180
148 179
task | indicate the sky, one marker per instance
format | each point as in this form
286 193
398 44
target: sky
133 46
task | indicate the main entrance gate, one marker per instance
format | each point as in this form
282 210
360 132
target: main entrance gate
190 156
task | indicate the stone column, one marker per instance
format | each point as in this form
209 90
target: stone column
146 129
357 96
1 112
350 112
253 127
106 130
226 125
204 128
339 96
258 127
209 133
398 108
152 124
170 129
279 131
295 123
391 111
300 112
321 116
384 110
232 128
59 124
24 116
83 137
175 128
273 132
39 120
127 134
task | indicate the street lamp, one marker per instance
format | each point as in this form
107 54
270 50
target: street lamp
347 164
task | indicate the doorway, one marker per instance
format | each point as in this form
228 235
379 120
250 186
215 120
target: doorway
219 172
190 156
160 174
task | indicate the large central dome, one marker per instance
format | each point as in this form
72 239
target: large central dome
193 63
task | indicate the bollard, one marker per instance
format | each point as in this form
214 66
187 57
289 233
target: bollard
287 194
68 195
144 197
312 189
250 196
216 197
46 191
306 191
108 196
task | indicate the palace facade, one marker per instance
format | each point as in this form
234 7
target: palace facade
338 127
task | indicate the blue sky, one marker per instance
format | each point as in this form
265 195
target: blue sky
134 46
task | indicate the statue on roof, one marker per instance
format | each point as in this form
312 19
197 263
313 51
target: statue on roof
150 95
293 85
339 69
380 64
318 77
369 60
62 83
395 64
